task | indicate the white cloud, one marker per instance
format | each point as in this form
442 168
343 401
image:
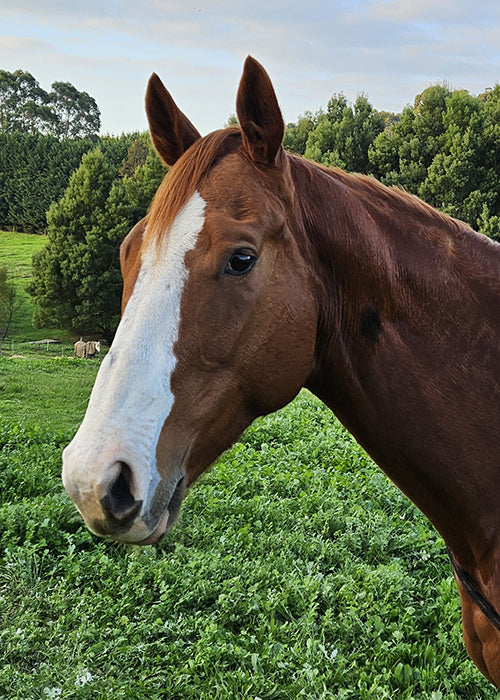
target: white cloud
21 44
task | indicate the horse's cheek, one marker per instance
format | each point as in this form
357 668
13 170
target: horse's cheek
286 353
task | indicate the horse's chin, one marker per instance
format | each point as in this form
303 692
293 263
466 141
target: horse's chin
166 523
169 517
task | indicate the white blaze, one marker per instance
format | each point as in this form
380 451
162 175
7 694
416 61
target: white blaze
132 395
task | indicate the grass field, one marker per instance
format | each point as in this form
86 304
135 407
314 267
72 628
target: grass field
58 387
297 569
16 252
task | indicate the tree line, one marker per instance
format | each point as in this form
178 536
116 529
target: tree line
58 177
43 136
86 211
35 170
64 112
86 193
445 148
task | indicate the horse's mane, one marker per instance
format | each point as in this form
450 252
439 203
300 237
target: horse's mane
416 229
371 190
185 177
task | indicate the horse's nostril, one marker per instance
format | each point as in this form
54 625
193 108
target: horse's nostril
119 500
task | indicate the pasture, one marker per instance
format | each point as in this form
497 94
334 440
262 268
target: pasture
16 252
297 570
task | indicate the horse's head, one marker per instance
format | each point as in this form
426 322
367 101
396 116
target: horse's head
218 320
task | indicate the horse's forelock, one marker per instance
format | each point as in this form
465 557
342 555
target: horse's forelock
185 177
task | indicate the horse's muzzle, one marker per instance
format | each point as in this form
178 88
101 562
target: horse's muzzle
114 506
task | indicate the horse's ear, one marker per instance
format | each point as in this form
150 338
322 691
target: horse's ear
259 114
171 131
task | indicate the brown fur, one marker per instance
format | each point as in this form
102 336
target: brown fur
185 177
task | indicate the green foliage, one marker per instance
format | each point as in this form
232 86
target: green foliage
76 277
34 172
116 148
489 225
446 150
296 135
296 571
26 107
10 304
402 154
340 136
77 112
136 155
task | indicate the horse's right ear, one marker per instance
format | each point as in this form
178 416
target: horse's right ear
171 131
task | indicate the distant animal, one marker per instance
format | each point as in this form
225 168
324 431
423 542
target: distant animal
87 349
93 347
256 273
80 346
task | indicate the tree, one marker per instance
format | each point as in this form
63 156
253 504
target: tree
231 120
61 270
489 225
446 149
343 134
296 135
77 112
26 107
34 172
76 277
402 154
457 178
136 155
10 304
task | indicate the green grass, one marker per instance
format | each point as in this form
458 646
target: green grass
45 390
296 571
16 253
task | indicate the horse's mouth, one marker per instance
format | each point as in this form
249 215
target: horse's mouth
169 517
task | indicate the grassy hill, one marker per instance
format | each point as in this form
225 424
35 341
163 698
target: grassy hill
16 253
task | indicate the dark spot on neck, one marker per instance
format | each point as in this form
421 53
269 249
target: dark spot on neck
371 325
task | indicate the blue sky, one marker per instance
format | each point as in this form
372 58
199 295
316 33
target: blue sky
388 49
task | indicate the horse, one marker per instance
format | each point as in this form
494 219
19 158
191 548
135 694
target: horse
256 273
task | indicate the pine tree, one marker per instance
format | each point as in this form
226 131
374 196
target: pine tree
75 255
76 278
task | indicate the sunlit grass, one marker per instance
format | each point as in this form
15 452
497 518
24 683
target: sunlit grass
16 252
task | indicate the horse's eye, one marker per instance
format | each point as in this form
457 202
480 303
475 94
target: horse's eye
240 263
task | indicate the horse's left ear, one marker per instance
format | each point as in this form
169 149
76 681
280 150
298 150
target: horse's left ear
171 131
259 114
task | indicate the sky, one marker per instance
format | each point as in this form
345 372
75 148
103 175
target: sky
389 50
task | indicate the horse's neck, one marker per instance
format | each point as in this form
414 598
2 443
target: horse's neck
406 356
